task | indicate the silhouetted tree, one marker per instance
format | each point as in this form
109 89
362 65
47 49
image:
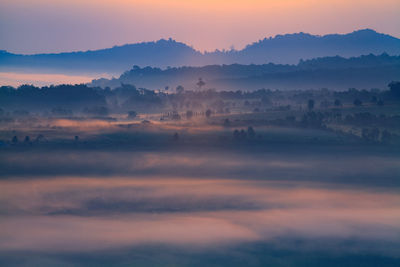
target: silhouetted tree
132 114
27 140
40 138
180 89
189 114
312 119
311 104
338 103
357 102
266 100
176 116
251 133
14 140
395 88
200 83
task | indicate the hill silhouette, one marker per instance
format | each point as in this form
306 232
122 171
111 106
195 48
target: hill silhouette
281 49
339 73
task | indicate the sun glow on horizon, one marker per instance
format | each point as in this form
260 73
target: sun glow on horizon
55 26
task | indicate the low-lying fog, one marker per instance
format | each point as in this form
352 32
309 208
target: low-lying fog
44 79
70 207
125 192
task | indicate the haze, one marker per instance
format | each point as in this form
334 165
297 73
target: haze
53 26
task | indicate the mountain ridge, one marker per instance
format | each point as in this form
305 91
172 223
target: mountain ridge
281 49
368 71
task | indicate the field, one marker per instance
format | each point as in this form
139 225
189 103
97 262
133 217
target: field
192 192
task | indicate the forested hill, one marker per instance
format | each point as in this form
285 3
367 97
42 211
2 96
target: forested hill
338 73
281 49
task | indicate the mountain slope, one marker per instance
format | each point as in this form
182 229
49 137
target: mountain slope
281 49
113 60
332 72
291 48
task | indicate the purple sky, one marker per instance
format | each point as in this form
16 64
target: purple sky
41 26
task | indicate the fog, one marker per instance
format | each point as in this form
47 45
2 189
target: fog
43 79
235 187
68 215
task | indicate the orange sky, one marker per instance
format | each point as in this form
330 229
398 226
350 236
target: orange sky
28 26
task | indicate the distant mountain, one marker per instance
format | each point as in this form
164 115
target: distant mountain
111 60
364 72
290 48
281 49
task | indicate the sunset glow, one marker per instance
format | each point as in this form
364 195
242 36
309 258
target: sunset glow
55 26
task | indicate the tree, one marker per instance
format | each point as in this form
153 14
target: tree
132 114
200 83
27 140
311 104
176 116
40 138
395 88
208 113
189 114
357 102
180 89
265 100
251 133
338 103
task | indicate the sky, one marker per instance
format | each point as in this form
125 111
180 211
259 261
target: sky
43 26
